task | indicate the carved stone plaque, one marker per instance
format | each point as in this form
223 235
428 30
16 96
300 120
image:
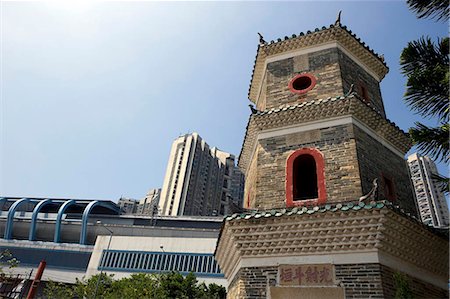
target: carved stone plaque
303 137
301 63
306 275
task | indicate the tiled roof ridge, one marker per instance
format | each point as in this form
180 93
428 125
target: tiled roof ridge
253 71
310 209
278 109
288 107
369 105
333 207
245 138
309 32
332 99
300 105
380 57
312 102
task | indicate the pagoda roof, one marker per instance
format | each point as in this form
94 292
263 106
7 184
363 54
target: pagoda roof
335 32
321 109
333 207
332 231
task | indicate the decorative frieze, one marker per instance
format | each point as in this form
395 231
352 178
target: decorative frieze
331 231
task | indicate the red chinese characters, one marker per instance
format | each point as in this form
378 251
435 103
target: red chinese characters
325 275
286 274
299 275
312 274
319 274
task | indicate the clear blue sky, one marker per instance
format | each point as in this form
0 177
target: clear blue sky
94 94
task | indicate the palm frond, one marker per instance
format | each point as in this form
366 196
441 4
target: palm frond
426 66
438 9
431 141
442 182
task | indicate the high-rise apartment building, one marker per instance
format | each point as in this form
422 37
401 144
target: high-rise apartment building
237 186
149 204
145 206
127 205
198 178
430 198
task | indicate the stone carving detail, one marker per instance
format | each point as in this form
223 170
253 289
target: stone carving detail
338 19
261 39
304 231
373 193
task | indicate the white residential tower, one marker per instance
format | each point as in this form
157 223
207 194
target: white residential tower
430 198
198 179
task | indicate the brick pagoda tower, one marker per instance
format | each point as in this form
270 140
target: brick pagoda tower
331 209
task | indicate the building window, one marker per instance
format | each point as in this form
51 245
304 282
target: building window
302 83
305 178
389 188
363 92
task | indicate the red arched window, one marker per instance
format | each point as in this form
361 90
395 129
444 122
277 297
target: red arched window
305 178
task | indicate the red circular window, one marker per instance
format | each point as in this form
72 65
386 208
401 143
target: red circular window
302 83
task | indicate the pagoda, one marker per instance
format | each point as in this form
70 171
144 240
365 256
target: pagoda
330 211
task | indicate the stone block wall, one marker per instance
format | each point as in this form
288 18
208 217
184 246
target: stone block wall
376 160
324 65
338 147
359 281
252 282
250 182
335 73
352 73
353 159
419 289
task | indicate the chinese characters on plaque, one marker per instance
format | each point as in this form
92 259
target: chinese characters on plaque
306 275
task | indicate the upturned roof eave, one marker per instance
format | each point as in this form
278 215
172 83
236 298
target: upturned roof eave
264 47
253 118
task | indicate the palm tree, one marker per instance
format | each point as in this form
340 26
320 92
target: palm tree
430 8
426 66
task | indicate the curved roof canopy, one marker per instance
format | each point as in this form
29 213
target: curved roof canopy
76 208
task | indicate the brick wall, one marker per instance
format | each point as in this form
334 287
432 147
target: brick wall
250 182
353 159
359 280
335 73
251 283
341 166
324 65
352 73
418 288
374 160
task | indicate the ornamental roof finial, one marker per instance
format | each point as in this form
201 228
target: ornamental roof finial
338 20
351 90
373 193
261 39
253 109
